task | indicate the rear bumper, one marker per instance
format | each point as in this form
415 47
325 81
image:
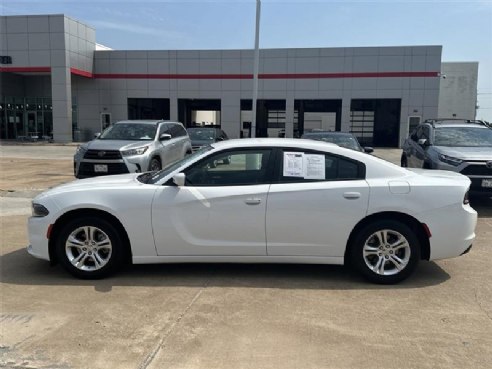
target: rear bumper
453 230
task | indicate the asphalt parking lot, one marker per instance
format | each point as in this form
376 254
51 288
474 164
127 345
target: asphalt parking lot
230 316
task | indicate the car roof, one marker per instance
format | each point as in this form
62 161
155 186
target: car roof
460 125
455 122
146 121
274 142
334 133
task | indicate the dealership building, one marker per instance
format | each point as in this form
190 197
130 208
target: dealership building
57 82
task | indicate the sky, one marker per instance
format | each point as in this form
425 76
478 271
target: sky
463 28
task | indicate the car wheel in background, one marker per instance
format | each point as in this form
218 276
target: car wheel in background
385 251
89 248
155 165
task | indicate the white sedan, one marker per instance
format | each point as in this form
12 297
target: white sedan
258 200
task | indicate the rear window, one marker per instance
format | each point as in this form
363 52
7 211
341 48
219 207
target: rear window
316 166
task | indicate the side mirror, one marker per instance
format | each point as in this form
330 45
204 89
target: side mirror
96 135
165 137
368 149
179 179
423 142
220 138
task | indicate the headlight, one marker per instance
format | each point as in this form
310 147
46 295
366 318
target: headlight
39 210
450 160
137 151
80 149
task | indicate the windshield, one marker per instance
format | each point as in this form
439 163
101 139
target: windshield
130 132
463 137
156 177
202 134
347 141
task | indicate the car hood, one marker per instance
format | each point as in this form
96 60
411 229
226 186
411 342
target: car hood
466 153
119 181
115 144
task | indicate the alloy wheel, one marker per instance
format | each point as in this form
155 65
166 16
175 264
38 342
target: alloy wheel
88 248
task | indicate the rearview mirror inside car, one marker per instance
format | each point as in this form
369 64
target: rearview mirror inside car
179 179
165 137
368 149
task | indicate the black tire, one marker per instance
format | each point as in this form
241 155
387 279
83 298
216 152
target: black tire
155 165
404 161
366 240
102 231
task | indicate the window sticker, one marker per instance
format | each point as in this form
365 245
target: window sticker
314 166
293 164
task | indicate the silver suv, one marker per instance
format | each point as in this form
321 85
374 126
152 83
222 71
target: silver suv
132 146
463 146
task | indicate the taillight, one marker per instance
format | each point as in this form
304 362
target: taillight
466 199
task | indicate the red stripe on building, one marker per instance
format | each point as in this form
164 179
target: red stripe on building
82 73
25 69
266 75
226 76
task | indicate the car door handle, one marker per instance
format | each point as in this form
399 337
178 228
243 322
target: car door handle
351 195
252 201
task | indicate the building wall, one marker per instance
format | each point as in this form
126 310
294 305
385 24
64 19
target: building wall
419 95
103 80
458 92
54 45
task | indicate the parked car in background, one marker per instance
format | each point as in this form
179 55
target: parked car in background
203 136
343 139
277 201
463 146
132 146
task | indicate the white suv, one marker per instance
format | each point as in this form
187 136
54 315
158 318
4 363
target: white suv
132 146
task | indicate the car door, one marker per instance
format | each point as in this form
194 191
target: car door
220 210
165 147
421 150
184 144
311 212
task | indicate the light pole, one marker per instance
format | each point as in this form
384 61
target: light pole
255 68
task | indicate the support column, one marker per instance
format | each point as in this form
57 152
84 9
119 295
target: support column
345 123
173 109
61 96
289 117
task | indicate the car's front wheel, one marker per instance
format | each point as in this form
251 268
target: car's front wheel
89 248
385 251
155 165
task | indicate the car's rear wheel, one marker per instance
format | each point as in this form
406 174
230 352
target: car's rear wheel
404 161
385 251
89 248
155 165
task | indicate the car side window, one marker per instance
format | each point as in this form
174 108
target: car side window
180 131
326 167
164 129
416 134
231 168
426 132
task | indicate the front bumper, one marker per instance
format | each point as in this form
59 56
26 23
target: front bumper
38 242
477 171
133 164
